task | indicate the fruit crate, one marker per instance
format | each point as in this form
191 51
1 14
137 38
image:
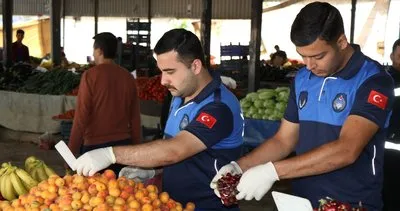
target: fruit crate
234 50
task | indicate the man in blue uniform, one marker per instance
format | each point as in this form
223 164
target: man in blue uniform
203 131
391 183
336 120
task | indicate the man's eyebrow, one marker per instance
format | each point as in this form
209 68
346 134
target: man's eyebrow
320 54
167 69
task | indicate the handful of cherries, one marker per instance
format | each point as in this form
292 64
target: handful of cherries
226 186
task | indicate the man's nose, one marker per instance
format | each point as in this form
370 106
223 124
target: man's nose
310 63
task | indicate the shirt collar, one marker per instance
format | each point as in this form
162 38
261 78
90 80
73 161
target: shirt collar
209 89
353 65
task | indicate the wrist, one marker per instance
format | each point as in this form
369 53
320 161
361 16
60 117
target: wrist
243 165
271 170
112 155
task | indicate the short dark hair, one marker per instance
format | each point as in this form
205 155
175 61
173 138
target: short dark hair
395 45
184 42
281 54
317 20
106 42
20 31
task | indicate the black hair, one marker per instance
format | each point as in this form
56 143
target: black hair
106 42
20 31
281 54
317 20
184 42
395 45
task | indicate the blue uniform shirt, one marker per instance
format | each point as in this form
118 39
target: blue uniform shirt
321 105
215 117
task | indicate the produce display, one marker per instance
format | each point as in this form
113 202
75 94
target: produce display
15 182
54 82
13 78
27 79
99 192
151 89
68 115
329 204
38 169
269 104
226 186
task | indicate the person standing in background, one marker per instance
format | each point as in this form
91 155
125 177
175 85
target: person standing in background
19 51
391 183
107 111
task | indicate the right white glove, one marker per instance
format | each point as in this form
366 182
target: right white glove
232 168
137 174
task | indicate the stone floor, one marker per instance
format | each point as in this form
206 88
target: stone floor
17 151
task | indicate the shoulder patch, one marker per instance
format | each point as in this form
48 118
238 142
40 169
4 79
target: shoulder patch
206 119
378 99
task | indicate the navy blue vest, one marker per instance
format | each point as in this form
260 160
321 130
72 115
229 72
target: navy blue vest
323 104
189 180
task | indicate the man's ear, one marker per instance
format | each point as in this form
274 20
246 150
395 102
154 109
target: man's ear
392 57
342 42
196 66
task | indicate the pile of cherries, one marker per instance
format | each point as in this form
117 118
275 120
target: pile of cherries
227 188
329 204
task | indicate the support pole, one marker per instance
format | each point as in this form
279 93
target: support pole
255 43
55 18
7 6
96 16
353 18
206 29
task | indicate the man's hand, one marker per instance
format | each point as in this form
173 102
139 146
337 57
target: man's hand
256 182
232 168
93 161
137 174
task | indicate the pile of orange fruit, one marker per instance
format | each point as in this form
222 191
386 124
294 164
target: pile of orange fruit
101 192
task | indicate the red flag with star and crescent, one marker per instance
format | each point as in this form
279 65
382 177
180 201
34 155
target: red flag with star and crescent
206 119
378 99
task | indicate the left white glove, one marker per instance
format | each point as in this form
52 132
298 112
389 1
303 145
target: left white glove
257 181
93 161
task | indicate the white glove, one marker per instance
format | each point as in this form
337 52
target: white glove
232 168
93 161
137 174
257 181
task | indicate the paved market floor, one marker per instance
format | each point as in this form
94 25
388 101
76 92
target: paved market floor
17 152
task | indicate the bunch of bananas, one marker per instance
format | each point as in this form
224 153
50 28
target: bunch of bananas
38 169
14 181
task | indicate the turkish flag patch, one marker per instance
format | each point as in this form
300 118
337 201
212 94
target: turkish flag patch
206 119
378 99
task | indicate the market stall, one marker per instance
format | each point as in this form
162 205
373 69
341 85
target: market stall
35 186
263 111
32 112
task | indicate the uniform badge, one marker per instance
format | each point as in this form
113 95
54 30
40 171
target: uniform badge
184 122
339 103
303 99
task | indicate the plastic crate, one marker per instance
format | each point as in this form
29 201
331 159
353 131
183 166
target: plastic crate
234 50
66 128
234 65
138 26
